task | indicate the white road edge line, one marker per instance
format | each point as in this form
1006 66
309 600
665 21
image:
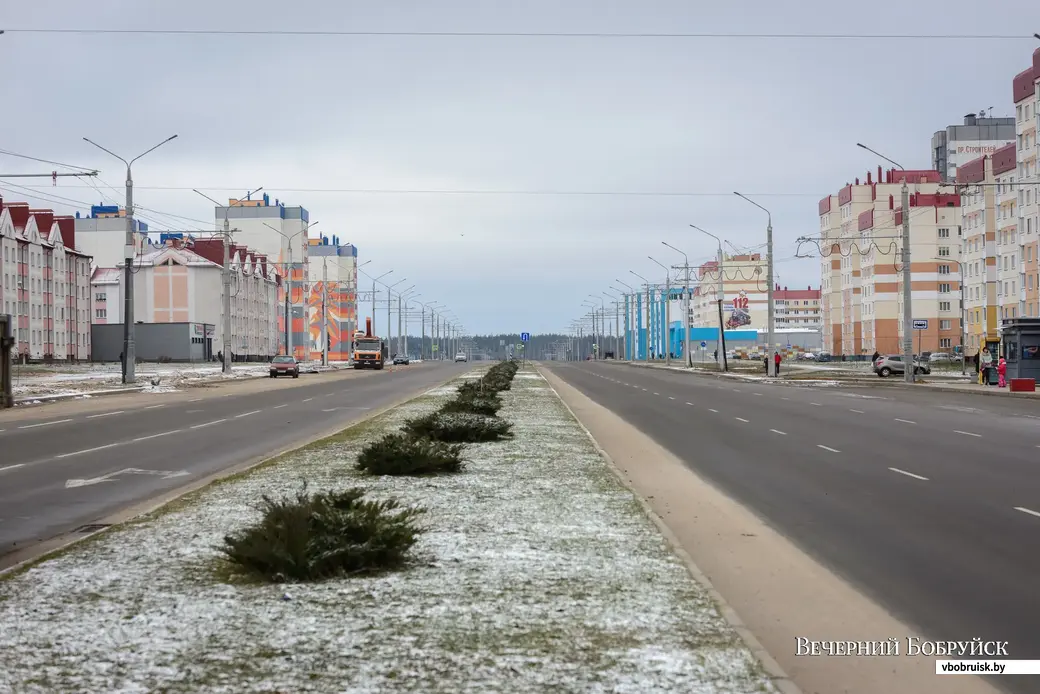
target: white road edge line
104 414
43 424
1023 509
152 407
908 474
857 411
197 399
87 450
904 421
967 433
155 436
246 414
814 403
746 421
777 431
12 467
827 448
209 424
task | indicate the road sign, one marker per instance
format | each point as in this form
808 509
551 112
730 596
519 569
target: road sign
920 324
703 344
524 337
520 346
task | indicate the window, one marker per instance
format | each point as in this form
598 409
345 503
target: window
944 251
944 305
944 324
943 234
943 270
101 313
944 288
945 342
101 296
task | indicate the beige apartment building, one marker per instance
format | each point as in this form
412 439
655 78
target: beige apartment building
1026 90
862 281
745 292
979 248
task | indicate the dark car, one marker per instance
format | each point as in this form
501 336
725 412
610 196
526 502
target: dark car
285 366
400 360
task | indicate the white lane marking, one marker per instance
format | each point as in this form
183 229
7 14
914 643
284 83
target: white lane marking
827 448
777 431
670 397
711 410
195 400
691 405
104 414
191 411
43 424
759 394
736 390
246 414
816 404
278 407
12 467
152 407
785 398
908 474
656 393
742 419
333 409
209 424
309 399
856 411
87 450
1023 509
644 390
905 421
967 433
155 436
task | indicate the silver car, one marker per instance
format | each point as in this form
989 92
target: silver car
889 364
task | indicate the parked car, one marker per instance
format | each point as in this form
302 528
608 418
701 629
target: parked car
937 357
806 356
461 356
889 364
400 360
285 366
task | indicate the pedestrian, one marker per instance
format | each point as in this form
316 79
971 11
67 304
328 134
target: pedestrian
765 363
1002 372
776 360
716 355
985 364
873 359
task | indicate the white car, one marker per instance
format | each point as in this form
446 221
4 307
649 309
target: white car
461 356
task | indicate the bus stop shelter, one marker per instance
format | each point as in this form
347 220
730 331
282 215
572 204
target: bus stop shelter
1020 346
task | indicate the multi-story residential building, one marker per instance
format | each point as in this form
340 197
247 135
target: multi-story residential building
180 280
102 235
978 260
1026 90
333 265
744 288
860 231
46 283
796 309
1007 243
279 233
958 144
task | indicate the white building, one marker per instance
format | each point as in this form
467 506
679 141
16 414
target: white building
958 144
1027 116
797 309
102 235
46 283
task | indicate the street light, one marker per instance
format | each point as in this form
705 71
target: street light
720 294
908 311
646 282
403 334
288 286
667 311
617 321
630 319
687 323
770 309
389 300
226 277
129 251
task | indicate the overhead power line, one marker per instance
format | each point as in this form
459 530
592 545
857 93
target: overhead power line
524 34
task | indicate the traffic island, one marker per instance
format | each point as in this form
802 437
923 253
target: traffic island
533 569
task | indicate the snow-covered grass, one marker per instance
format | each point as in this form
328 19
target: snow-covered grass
539 571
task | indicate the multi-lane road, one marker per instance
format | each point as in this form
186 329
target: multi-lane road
929 502
67 465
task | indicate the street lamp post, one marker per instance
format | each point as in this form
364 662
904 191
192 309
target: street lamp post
389 300
667 312
770 309
630 319
646 352
908 311
129 252
687 324
404 334
723 363
617 322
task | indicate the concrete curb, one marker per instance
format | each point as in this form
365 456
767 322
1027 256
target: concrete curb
776 674
43 399
47 549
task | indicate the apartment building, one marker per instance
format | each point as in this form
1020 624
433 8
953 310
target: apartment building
978 260
102 235
279 232
180 280
745 293
978 136
46 283
796 309
1026 94
861 277
333 296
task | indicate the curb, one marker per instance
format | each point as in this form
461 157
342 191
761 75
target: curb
783 683
49 548
43 399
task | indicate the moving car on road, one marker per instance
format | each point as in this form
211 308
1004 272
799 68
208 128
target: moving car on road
285 365
400 360
889 364
461 356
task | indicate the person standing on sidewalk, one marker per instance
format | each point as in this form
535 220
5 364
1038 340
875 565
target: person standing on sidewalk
776 360
1002 373
984 366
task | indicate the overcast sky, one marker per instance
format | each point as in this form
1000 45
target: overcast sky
699 117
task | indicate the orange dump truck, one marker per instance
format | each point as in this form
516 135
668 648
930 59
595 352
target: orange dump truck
370 352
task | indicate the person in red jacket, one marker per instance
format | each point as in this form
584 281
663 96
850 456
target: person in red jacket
1002 372
776 360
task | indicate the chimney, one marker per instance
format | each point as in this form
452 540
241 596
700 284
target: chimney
891 202
857 180
868 178
879 173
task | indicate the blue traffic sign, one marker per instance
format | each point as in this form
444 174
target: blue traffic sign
704 344
525 337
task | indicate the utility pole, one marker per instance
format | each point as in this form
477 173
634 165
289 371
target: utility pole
687 323
646 352
720 293
667 313
770 309
129 252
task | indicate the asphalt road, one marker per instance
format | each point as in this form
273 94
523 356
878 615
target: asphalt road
929 502
51 457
